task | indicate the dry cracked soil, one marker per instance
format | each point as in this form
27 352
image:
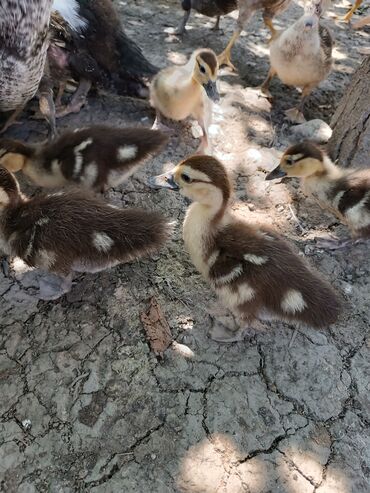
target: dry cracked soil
86 406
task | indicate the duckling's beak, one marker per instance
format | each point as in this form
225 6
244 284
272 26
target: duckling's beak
211 90
275 173
163 181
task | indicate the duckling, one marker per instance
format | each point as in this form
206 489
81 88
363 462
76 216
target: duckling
254 271
73 231
23 47
94 157
301 56
246 10
210 8
350 13
90 46
345 193
178 92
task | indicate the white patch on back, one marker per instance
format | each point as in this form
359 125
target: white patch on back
255 259
293 302
232 299
90 174
231 276
68 9
42 221
102 242
79 158
212 258
337 198
127 152
4 197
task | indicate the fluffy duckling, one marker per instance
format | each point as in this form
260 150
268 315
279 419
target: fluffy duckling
345 193
178 92
246 10
210 8
73 231
94 157
301 56
23 47
90 46
253 270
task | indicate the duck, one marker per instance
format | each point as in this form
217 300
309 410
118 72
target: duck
352 10
246 10
95 157
254 271
178 92
90 46
24 41
210 8
343 192
301 56
71 231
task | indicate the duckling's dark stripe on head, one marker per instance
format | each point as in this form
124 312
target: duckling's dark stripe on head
307 149
210 59
211 167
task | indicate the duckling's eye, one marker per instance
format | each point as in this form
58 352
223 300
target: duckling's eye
186 178
289 161
202 69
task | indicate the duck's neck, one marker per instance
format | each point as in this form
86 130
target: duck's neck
328 172
200 224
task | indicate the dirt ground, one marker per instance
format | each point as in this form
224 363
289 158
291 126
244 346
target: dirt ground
86 406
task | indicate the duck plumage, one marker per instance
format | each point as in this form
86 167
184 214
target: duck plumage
252 269
73 231
210 8
24 40
89 44
94 157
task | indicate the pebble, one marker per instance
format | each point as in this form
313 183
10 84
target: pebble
316 130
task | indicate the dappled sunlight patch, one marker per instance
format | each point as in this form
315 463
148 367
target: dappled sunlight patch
206 465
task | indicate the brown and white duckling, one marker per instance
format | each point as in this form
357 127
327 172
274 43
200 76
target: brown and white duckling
343 192
254 271
301 56
73 231
178 92
94 157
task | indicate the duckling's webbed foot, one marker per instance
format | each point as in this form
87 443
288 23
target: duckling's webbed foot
53 286
159 125
295 115
78 99
221 333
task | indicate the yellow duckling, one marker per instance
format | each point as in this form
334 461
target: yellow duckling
345 193
254 271
73 231
178 92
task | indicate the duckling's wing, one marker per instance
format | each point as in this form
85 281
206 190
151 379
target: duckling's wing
326 41
260 270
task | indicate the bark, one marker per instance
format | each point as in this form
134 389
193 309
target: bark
350 142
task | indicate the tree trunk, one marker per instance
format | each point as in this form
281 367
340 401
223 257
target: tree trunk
350 142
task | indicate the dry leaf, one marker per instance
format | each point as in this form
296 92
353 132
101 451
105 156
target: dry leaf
156 327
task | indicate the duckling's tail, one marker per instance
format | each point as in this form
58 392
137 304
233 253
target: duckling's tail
149 231
132 61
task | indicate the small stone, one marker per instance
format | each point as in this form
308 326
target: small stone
26 423
316 130
280 208
153 456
